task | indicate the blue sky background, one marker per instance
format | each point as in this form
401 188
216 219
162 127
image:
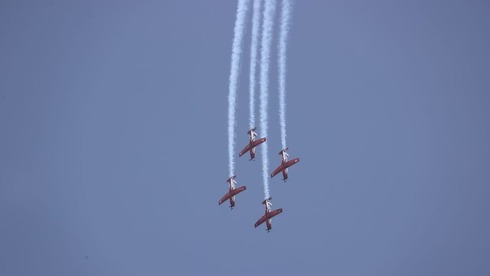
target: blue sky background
113 150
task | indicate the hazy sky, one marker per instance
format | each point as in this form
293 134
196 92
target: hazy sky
113 134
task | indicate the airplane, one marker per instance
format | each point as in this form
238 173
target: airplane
232 192
252 143
285 164
267 218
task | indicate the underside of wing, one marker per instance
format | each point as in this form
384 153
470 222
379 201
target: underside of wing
291 162
261 220
244 150
258 142
278 170
275 213
224 198
239 190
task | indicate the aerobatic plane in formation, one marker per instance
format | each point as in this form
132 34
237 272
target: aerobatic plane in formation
252 143
267 218
232 192
285 164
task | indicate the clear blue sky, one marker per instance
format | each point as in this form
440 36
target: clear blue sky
113 146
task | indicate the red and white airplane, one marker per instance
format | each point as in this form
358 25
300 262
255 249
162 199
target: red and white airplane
285 164
267 218
232 192
252 143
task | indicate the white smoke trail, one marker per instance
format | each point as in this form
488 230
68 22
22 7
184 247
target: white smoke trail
257 6
282 47
235 68
269 12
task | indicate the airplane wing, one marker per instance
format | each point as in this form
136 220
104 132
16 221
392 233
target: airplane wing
244 150
232 194
291 162
258 142
268 216
261 220
239 190
278 170
275 213
284 166
225 198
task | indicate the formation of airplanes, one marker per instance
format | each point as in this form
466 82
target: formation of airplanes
282 168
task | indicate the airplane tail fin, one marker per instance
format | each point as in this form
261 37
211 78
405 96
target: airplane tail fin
265 200
229 179
252 129
283 150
